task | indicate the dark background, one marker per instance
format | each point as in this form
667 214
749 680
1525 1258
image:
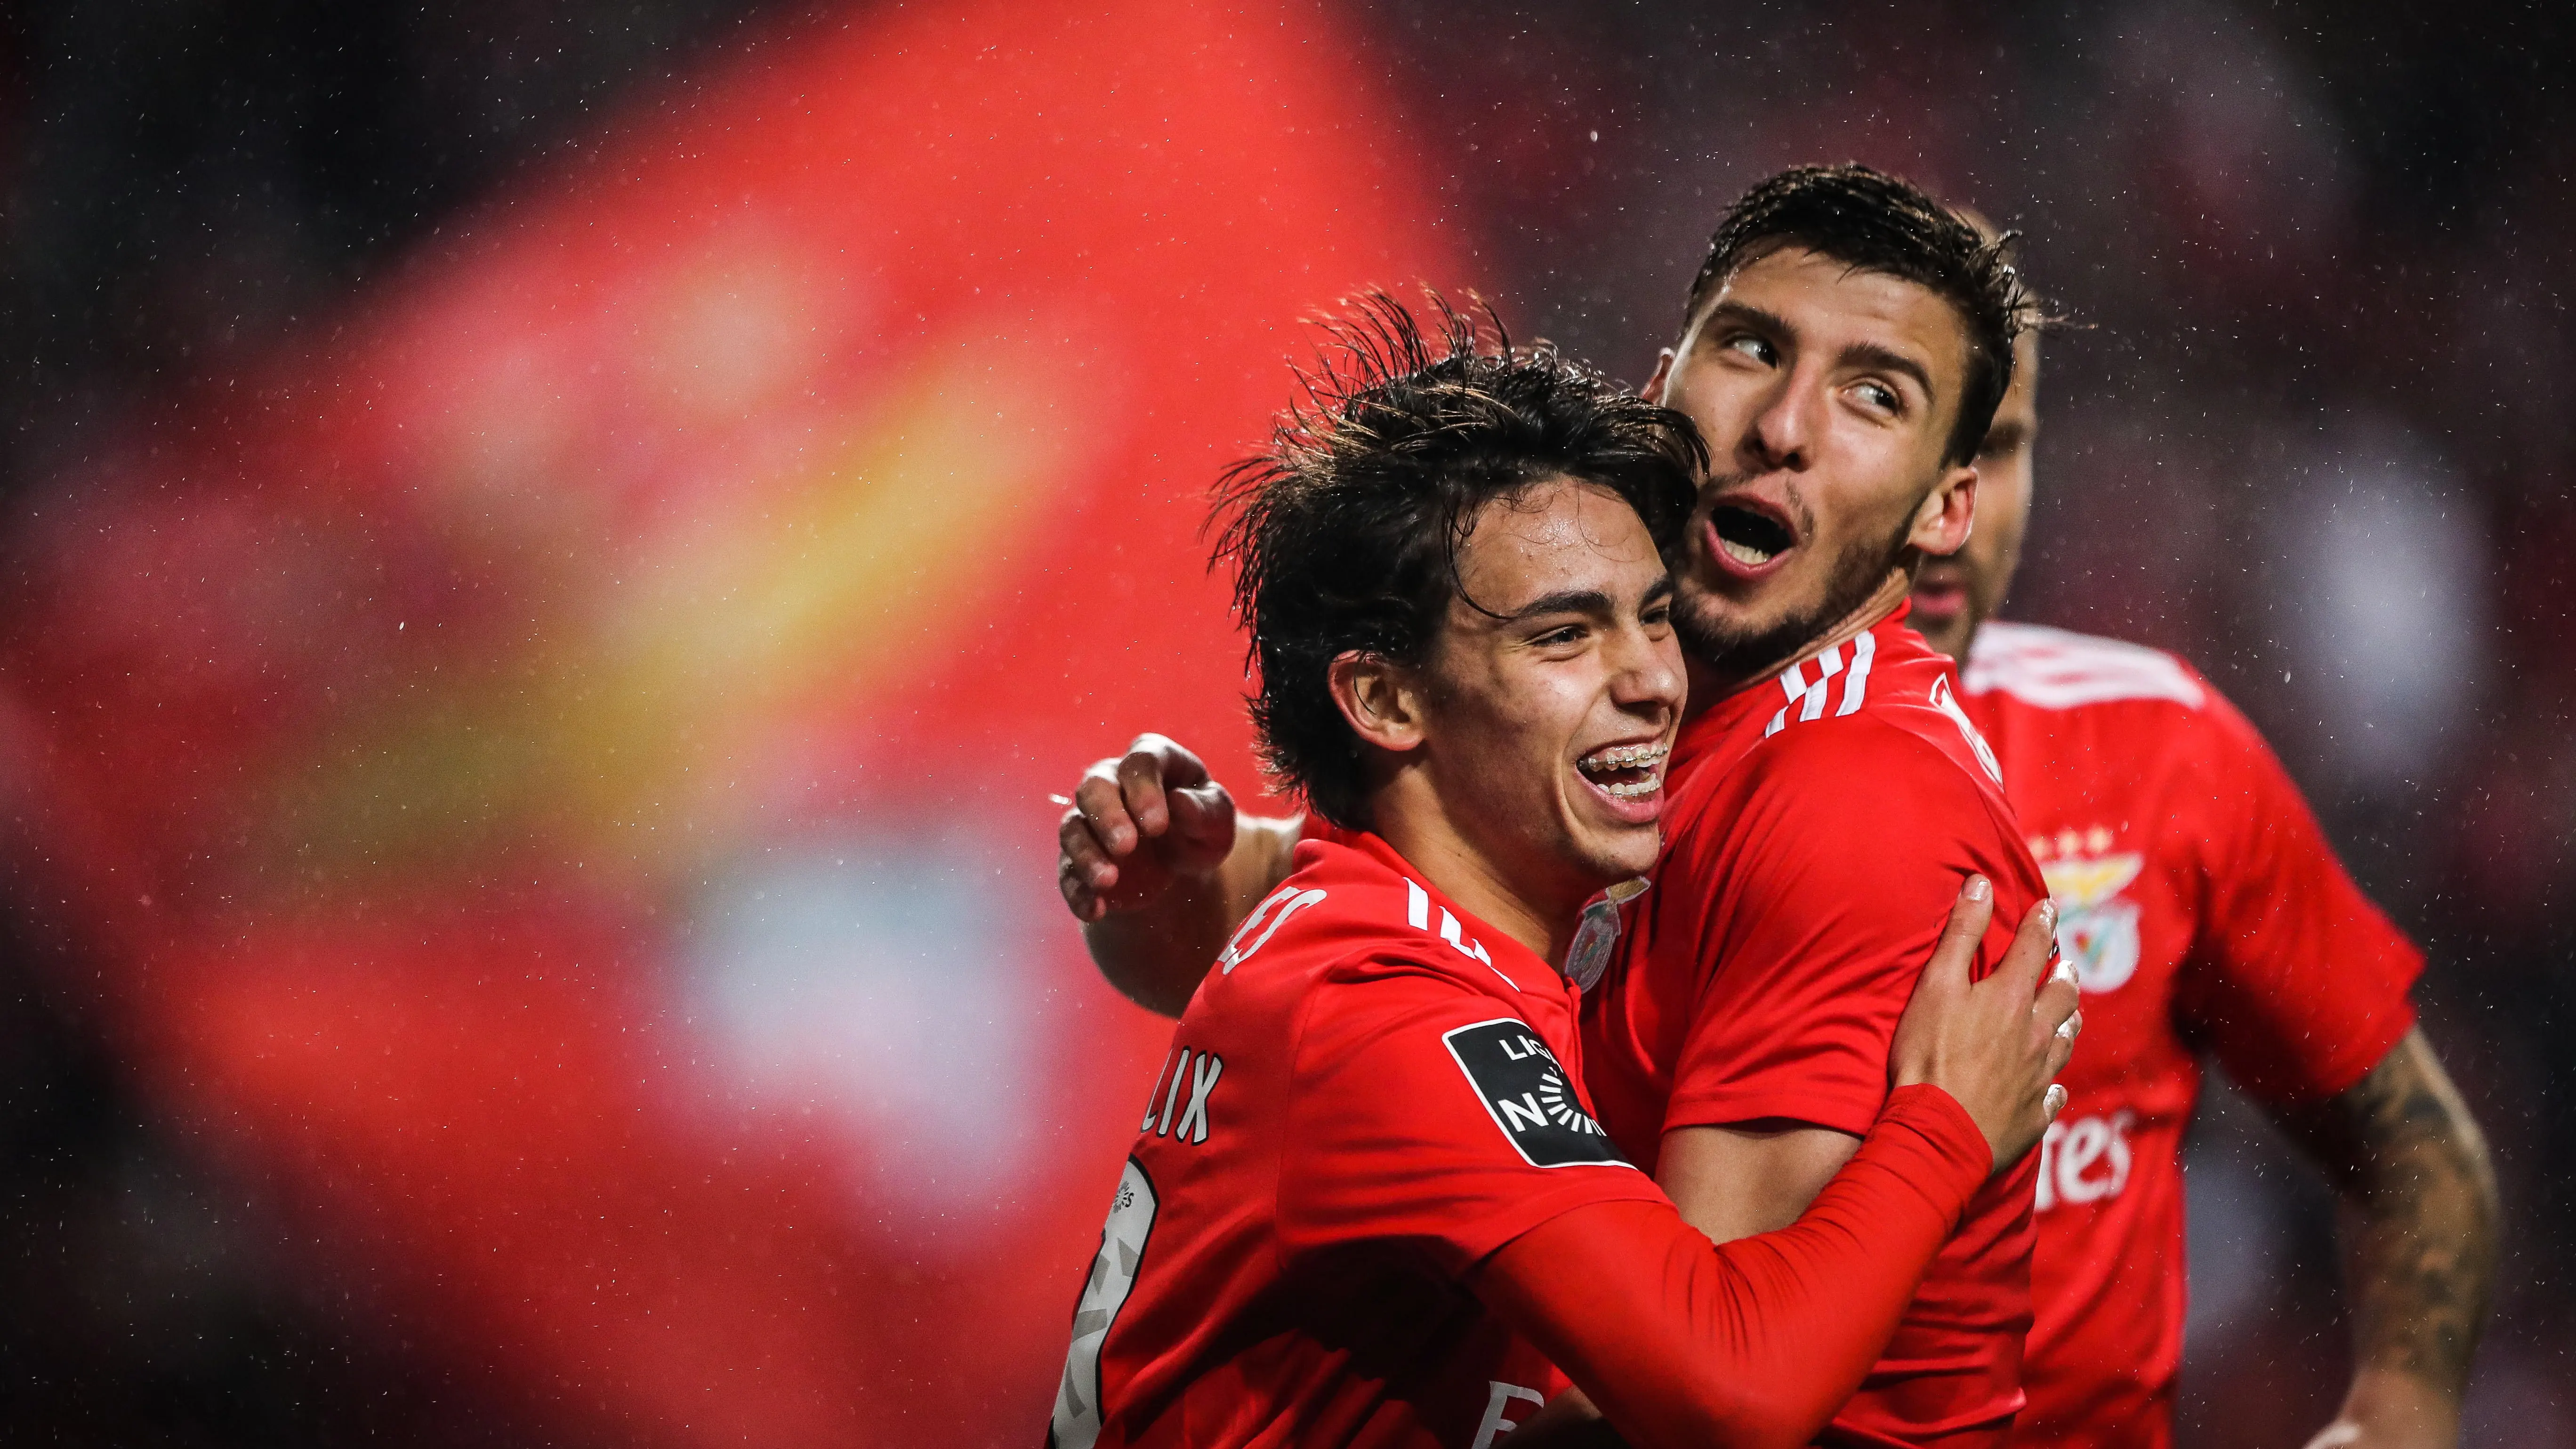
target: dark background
2312 429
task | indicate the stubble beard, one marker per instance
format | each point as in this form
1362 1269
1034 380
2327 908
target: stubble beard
1741 653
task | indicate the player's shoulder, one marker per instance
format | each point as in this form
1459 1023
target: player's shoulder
1351 911
2145 701
2059 669
1881 708
1857 785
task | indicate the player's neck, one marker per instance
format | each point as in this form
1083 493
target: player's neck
1712 682
1542 916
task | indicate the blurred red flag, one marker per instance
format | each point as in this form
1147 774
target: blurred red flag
550 771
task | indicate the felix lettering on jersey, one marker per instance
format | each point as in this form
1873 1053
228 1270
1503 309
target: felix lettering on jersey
1196 1073
1529 1094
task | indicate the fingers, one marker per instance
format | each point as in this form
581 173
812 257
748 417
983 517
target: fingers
1082 868
1101 799
1155 791
1177 767
1153 772
1140 781
2055 1008
1203 813
2032 948
2055 1101
1956 952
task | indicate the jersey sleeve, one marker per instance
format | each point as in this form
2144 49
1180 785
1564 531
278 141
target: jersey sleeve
1759 1341
1850 846
2299 985
1426 1113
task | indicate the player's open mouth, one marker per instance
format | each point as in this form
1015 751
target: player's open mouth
1626 772
1746 537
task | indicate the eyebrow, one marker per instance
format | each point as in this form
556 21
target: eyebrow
1888 359
1858 354
1563 601
1584 601
1754 316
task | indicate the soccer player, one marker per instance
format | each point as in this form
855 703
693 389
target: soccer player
1844 348
1369 1203
2203 910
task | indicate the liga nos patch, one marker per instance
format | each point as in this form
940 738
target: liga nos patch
1529 1095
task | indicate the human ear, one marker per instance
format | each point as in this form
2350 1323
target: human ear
1380 698
1948 514
1653 391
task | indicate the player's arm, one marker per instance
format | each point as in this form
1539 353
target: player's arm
2300 985
2417 1199
1760 1341
1159 866
1733 1182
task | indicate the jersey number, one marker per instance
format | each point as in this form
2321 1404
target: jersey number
1078 1409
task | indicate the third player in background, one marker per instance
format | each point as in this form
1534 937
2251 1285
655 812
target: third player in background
2204 910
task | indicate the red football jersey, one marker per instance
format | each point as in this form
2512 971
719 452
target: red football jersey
1818 829
1369 1093
2202 908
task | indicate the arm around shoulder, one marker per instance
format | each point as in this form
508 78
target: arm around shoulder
1156 953
1158 865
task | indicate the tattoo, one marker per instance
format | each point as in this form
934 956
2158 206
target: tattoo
2418 1212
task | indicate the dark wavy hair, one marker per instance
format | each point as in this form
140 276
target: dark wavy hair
1875 222
1345 531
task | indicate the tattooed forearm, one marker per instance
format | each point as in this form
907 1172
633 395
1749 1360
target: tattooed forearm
2418 1215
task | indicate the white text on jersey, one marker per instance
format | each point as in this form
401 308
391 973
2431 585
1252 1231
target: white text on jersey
1200 1079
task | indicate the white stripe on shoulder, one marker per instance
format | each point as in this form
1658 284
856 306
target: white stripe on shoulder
1856 688
2059 669
1810 696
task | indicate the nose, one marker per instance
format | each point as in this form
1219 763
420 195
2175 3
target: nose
1646 675
1781 431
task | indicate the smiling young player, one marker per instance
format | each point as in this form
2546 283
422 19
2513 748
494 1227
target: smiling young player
1368 1202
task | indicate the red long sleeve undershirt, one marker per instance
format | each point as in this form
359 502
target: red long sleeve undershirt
1759 1341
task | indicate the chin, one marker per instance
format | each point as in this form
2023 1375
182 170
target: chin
1611 860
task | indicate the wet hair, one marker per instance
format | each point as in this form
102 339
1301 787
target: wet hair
1345 531
1874 222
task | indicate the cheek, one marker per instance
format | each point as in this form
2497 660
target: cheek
1487 711
1532 712
1851 513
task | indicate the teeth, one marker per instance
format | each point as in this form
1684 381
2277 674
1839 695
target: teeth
1623 757
1743 553
1648 758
